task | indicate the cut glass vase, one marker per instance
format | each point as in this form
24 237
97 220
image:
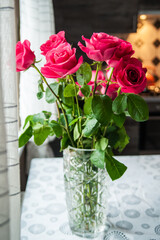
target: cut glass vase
86 188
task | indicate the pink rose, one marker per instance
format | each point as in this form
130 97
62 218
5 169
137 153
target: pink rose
112 90
100 47
130 75
123 50
47 46
24 56
100 82
61 61
53 42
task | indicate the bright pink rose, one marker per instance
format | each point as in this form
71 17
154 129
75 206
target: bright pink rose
112 90
61 61
53 42
100 82
100 47
123 50
24 56
130 75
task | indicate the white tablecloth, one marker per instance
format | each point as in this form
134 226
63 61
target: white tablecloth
134 202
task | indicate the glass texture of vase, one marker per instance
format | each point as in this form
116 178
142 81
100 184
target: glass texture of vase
86 188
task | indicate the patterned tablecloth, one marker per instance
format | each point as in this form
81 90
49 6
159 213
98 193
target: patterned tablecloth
133 210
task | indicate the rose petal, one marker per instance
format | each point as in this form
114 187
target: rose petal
49 73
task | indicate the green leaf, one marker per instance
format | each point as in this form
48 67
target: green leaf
109 151
37 127
74 121
137 108
39 117
120 104
112 135
40 133
56 128
98 158
40 86
67 101
90 127
86 90
64 141
114 168
49 96
88 106
39 95
47 114
25 136
102 144
123 139
69 90
126 113
102 109
69 119
61 80
29 118
84 74
119 119
76 133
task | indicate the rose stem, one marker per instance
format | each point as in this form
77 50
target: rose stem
95 80
109 80
79 121
105 129
119 90
58 109
44 79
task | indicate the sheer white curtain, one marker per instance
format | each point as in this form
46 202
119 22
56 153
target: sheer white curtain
9 91
36 25
4 189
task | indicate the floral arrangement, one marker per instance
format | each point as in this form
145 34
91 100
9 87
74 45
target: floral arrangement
92 105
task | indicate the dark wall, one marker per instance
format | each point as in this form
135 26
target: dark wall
88 16
149 5
83 17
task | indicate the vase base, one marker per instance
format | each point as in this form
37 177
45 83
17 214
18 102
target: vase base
86 235
90 235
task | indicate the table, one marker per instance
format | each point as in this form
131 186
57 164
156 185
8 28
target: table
134 202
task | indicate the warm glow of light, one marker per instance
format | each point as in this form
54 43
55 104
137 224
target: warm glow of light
143 17
156 89
151 87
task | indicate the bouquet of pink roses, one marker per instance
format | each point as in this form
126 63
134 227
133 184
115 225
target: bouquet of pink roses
92 104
